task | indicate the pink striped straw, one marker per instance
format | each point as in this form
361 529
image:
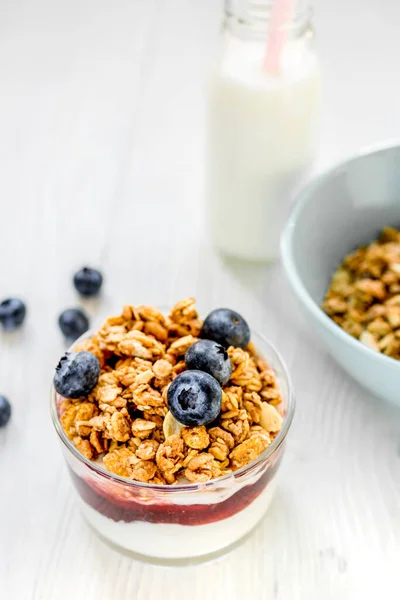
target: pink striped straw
282 13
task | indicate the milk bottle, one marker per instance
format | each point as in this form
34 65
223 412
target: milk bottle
261 128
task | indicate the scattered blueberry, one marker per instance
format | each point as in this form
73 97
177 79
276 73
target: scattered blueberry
208 356
73 323
194 398
226 327
12 313
5 411
76 374
88 281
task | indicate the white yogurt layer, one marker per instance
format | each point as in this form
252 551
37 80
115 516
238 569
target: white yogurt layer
170 541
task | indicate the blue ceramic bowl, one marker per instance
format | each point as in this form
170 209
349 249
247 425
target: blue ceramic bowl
338 211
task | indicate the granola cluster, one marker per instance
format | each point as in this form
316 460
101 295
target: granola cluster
364 294
125 421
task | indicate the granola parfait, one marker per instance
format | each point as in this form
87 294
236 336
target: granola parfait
173 428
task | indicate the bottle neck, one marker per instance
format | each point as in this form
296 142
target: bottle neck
249 19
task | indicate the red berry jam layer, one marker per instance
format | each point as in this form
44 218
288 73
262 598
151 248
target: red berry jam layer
128 509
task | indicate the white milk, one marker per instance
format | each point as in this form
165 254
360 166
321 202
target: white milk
261 133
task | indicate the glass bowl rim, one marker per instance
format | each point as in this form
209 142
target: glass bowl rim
184 487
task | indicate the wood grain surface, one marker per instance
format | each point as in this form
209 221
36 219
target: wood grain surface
101 162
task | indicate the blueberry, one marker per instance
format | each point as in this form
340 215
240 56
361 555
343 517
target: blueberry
194 398
12 313
77 373
208 356
88 281
73 323
5 411
226 327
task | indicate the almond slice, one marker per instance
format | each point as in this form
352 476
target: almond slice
171 426
270 419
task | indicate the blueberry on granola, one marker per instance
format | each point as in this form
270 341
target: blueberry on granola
12 313
73 323
210 357
226 327
194 398
88 281
77 374
5 411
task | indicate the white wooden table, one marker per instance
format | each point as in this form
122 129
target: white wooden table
101 145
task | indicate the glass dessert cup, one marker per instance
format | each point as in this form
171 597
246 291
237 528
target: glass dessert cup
184 520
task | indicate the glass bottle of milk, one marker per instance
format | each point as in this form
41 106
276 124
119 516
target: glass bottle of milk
261 128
